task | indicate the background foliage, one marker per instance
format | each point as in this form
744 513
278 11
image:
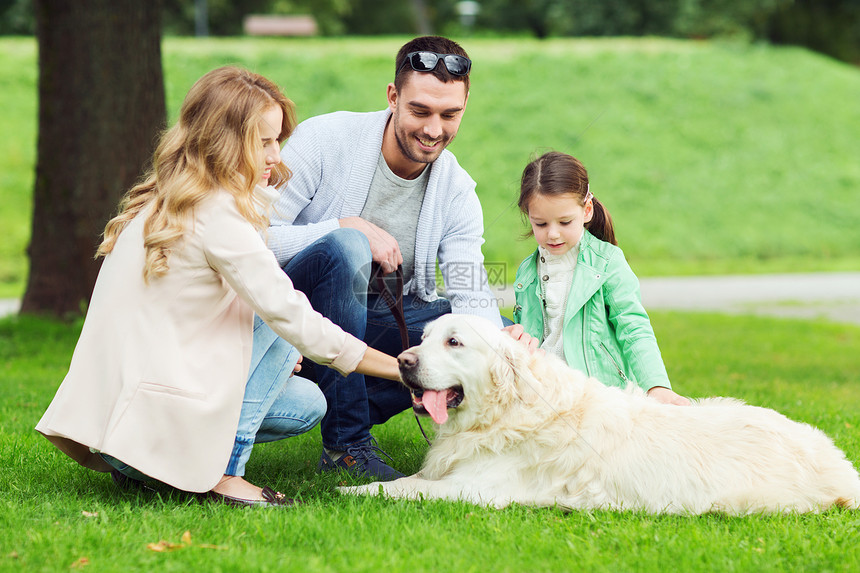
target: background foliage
829 26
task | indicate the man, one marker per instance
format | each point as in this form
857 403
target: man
381 188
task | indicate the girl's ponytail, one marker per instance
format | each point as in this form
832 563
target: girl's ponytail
601 223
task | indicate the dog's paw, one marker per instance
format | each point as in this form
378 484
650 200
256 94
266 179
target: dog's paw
374 488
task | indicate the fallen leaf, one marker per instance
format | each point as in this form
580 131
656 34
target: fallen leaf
163 545
13 555
847 425
80 563
90 513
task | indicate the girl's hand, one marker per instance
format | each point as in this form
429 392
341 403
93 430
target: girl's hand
298 367
518 333
667 396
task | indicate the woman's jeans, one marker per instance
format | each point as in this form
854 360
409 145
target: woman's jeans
277 404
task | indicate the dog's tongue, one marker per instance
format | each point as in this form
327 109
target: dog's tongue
436 404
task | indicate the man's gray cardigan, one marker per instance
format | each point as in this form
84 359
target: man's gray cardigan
333 158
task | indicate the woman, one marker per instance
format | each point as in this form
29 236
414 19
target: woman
156 381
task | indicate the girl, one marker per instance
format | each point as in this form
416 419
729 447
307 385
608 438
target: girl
576 293
156 381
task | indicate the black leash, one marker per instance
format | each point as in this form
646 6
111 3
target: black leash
395 305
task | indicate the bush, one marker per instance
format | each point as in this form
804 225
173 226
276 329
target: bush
16 17
828 26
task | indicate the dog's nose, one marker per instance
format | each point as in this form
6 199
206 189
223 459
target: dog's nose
407 360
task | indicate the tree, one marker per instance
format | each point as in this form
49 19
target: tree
422 21
101 105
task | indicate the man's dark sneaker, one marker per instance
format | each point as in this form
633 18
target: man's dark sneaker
361 460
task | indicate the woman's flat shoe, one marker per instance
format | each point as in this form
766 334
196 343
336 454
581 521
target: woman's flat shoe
270 498
129 484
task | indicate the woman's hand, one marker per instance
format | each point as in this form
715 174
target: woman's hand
298 367
667 396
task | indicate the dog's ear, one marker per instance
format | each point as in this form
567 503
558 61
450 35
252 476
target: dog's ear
510 372
502 371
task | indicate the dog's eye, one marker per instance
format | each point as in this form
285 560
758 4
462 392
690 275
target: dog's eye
452 342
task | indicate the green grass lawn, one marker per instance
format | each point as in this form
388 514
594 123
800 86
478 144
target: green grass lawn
55 514
712 157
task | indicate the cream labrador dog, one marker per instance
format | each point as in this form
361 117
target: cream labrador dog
520 428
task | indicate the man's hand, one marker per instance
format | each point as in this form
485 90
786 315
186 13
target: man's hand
517 332
383 247
667 396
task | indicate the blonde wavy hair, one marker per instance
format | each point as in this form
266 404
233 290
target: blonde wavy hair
214 145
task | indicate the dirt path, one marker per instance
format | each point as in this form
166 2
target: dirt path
834 296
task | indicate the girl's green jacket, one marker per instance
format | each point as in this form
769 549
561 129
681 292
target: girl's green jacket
607 333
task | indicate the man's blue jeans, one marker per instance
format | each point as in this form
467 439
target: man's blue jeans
334 272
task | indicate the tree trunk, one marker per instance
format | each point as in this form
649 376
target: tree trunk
422 21
101 106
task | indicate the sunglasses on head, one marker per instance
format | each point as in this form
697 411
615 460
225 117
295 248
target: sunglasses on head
427 62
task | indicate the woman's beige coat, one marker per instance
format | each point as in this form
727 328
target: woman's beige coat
158 375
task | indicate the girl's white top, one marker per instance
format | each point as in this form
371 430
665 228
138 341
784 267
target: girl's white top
555 273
